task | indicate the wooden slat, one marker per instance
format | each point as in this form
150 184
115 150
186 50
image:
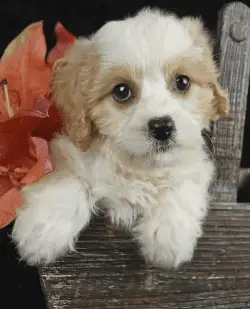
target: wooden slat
107 271
234 50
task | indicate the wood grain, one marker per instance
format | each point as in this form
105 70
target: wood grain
234 20
108 272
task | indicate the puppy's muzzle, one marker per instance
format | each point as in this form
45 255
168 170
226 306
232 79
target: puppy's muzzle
161 129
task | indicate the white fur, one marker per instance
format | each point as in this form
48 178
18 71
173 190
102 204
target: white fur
161 197
118 40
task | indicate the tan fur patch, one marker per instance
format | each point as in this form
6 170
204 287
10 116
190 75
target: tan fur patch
114 76
72 88
202 72
220 103
195 70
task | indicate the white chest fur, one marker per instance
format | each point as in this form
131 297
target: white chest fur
129 191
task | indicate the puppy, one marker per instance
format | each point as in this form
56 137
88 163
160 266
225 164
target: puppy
135 97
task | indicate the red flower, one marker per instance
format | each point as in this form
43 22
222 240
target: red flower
28 117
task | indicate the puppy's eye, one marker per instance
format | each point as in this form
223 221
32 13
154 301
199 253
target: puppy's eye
122 93
182 83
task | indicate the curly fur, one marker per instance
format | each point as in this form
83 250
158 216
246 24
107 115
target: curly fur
105 156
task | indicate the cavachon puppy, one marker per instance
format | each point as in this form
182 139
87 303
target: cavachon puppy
136 97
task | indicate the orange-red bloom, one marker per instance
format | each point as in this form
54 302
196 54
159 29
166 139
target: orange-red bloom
26 131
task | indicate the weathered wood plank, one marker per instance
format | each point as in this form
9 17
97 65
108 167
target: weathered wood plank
234 51
108 272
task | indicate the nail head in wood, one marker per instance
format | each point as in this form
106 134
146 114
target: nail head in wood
238 32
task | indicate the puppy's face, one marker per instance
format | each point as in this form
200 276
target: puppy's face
147 83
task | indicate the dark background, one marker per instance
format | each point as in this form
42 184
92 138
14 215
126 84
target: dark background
83 17
19 284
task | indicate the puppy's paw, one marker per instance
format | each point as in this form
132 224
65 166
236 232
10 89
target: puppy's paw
163 248
39 240
50 220
165 256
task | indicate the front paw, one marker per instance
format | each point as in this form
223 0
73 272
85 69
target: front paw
39 239
50 220
165 248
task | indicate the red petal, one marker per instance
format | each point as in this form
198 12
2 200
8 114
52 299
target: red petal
5 185
26 71
43 165
65 40
51 124
11 200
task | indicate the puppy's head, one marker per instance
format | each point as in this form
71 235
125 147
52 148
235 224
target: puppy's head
148 84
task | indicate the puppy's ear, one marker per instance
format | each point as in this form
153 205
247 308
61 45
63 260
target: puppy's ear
72 79
203 41
220 103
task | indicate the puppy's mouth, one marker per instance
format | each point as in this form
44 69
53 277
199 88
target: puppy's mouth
162 146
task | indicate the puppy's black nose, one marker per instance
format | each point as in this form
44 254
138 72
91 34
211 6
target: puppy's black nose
161 128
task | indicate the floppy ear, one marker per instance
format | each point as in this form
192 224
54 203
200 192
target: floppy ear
220 102
72 78
204 41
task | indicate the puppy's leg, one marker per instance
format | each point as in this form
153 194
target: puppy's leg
122 214
168 233
53 213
